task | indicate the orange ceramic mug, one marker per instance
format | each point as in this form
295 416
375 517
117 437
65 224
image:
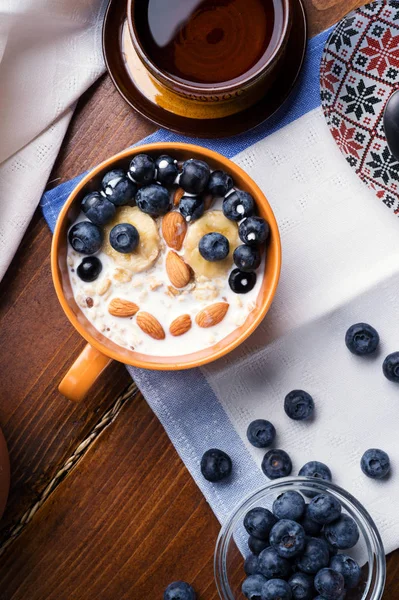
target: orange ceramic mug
100 350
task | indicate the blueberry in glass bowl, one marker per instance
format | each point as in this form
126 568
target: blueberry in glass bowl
339 569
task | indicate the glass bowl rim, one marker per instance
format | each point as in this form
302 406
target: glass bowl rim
369 531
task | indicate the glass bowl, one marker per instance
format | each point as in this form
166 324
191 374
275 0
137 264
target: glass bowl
231 545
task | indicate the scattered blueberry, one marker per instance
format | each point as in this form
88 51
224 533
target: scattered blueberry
289 505
219 184
299 405
191 207
329 584
215 465
348 568
256 545
179 590
276 589
124 238
97 208
85 237
375 463
89 269
238 205
362 339
118 188
167 169
391 367
301 586
142 169
251 564
276 463
214 246
154 200
195 176
316 469
246 258
252 587
254 231
324 508
261 433
272 566
310 527
288 538
315 556
258 522
241 282
343 533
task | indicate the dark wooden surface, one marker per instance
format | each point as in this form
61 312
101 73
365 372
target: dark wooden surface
127 519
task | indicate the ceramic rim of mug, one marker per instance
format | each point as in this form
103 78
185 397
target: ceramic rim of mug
222 88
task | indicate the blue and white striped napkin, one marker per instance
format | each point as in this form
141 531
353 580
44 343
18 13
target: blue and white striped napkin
340 266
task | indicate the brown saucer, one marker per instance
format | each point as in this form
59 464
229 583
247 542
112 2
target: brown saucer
139 90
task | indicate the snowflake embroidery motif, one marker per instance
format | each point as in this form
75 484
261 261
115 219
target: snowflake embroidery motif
385 166
328 79
383 53
344 136
360 99
343 33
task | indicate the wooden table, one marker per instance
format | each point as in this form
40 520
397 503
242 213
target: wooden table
101 506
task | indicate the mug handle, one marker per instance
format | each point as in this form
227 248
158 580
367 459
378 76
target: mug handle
84 372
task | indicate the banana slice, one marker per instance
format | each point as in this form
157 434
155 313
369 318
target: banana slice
213 220
149 245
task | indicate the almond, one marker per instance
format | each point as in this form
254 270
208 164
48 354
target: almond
208 201
174 229
180 325
122 308
150 325
212 315
178 195
178 272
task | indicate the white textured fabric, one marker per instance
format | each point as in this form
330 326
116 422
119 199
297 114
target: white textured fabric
50 53
340 266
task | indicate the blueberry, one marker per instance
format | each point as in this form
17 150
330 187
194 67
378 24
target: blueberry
272 566
256 545
276 589
329 584
241 282
375 463
288 538
301 586
343 533
219 184
85 237
348 568
251 564
315 556
362 339
276 463
252 586
118 188
391 367
167 169
310 527
89 269
238 205
246 258
124 238
195 176
261 433
317 470
191 207
289 505
254 231
258 522
214 246
97 208
154 200
142 169
179 590
299 405
324 509
215 465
